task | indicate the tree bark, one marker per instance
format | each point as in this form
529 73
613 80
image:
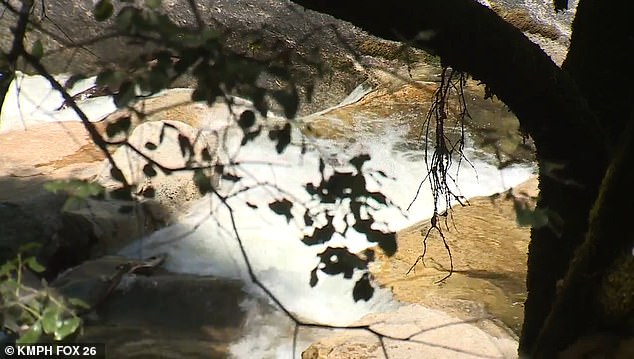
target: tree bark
600 62
610 235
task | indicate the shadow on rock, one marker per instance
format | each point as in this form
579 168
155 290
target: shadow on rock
148 312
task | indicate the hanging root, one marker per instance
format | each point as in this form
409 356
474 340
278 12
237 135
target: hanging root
445 152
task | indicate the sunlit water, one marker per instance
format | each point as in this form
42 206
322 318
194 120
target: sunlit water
204 241
30 100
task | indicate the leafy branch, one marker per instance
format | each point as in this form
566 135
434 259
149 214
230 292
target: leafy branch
220 73
33 312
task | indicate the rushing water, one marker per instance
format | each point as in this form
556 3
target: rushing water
204 240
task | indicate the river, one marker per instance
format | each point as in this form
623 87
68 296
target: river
203 241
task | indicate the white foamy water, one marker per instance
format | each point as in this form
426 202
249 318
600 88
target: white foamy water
30 100
204 240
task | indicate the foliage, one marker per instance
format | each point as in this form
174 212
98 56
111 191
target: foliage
219 72
176 50
30 312
77 191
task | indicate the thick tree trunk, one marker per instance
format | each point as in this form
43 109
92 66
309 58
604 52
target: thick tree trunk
571 144
601 59
578 310
600 62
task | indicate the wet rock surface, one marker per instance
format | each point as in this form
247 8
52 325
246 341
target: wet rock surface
476 312
256 29
404 99
154 313
415 332
489 253
70 234
481 287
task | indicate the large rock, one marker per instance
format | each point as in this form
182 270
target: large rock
68 234
42 152
28 159
148 315
404 98
415 332
17 229
175 147
30 101
258 29
489 252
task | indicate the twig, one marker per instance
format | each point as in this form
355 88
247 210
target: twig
90 127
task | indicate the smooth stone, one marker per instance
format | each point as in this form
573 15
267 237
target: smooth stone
423 333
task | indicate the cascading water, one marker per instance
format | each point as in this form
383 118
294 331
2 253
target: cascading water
204 240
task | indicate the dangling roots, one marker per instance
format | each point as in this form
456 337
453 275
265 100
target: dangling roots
452 84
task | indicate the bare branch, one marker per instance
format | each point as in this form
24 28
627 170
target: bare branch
95 136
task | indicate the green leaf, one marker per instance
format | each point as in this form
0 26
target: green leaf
153 4
7 268
72 81
73 203
75 187
38 50
11 285
110 79
103 10
125 95
78 303
50 318
525 216
35 266
67 327
27 247
125 19
32 335
202 181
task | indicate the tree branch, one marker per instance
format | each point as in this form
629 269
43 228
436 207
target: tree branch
17 46
473 39
95 136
